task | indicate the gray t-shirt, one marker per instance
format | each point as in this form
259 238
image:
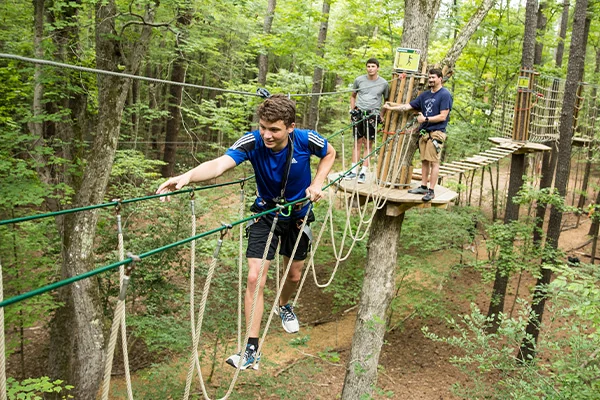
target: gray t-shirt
370 93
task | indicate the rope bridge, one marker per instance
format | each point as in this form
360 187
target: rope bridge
480 160
342 249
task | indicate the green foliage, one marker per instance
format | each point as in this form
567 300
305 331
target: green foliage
37 389
566 366
420 271
329 356
300 341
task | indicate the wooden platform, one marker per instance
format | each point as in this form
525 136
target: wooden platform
581 141
525 147
398 200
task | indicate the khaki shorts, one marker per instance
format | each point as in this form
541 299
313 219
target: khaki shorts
427 149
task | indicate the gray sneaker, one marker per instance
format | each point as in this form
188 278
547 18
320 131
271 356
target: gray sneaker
350 176
429 196
362 177
418 190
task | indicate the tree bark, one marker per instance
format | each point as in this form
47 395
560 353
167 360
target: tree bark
184 19
466 32
313 112
562 34
541 29
77 339
517 170
575 70
418 19
263 56
377 293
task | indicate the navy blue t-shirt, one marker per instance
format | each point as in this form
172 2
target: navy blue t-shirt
269 165
431 104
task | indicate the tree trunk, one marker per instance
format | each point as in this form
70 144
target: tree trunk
517 170
263 56
562 34
541 29
377 293
77 340
466 32
313 112
184 19
548 166
574 76
418 19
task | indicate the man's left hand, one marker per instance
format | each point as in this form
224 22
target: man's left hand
314 193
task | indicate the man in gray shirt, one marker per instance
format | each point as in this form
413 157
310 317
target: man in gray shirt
370 90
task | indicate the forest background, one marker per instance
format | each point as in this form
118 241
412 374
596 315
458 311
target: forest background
71 138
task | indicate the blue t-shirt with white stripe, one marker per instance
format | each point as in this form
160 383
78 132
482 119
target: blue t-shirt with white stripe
269 165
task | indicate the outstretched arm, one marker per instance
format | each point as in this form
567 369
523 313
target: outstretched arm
397 107
203 172
315 191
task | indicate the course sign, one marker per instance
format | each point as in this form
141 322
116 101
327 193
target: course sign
407 59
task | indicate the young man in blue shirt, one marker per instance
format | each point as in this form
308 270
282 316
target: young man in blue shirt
434 108
280 155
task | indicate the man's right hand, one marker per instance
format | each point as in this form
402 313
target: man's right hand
173 184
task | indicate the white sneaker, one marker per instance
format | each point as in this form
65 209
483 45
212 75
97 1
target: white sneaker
289 321
350 176
362 177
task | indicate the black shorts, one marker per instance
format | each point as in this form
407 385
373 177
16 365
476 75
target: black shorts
286 230
367 125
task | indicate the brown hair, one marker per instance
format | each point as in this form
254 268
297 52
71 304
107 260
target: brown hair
372 61
278 107
436 71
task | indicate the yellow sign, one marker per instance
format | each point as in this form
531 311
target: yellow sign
407 59
523 82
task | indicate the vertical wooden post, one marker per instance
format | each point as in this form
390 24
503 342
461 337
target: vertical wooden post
523 105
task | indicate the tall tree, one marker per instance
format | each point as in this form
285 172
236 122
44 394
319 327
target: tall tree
541 29
77 339
549 158
178 71
379 281
517 170
562 33
263 56
313 112
575 69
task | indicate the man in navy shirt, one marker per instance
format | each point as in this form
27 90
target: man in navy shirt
434 108
280 155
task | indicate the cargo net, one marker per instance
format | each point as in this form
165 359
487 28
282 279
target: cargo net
546 105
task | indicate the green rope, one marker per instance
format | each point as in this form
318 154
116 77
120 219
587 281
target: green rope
115 203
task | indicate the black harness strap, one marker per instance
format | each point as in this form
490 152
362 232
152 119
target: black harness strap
286 170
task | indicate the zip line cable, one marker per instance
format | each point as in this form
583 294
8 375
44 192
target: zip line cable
156 80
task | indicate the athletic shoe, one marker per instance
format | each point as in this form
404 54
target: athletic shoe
430 195
350 176
418 190
289 321
247 359
362 177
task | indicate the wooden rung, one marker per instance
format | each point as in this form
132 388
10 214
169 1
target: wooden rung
447 168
